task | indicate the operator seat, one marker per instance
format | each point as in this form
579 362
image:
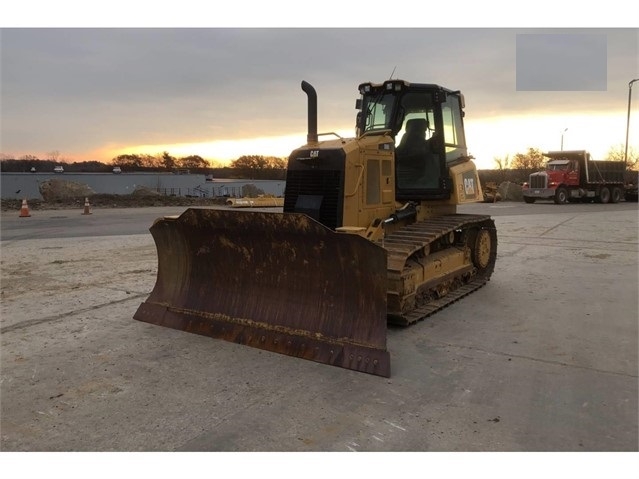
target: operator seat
417 165
414 140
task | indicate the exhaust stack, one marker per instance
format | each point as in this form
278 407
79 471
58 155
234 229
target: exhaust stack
311 137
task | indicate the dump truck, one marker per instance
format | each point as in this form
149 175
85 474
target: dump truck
571 176
369 235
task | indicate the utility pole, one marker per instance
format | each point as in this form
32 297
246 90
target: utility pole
625 155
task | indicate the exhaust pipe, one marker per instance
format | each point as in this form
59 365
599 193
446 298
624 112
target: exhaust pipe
311 137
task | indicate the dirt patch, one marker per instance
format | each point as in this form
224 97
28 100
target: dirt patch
145 191
55 189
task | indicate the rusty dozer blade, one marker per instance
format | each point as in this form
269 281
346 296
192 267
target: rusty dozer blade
275 281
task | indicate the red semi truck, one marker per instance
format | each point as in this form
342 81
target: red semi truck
574 176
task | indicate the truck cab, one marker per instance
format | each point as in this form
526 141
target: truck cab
563 171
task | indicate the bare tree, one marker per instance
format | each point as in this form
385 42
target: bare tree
533 159
617 153
53 156
502 163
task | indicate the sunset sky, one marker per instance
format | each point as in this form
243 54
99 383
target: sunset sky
93 93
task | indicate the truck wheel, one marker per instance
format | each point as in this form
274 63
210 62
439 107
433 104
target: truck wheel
561 196
529 199
615 197
604 195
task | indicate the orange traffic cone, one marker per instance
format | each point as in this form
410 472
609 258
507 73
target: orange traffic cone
87 207
24 211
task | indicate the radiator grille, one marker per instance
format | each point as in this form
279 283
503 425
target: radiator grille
538 181
324 183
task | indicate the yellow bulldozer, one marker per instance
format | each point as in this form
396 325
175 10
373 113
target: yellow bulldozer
369 235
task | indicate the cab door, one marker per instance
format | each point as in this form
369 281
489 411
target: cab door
572 177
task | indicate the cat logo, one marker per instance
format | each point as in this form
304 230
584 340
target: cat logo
469 186
314 153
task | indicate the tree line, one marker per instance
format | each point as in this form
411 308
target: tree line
167 162
253 166
131 162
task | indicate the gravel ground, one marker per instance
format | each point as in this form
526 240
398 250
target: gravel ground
111 201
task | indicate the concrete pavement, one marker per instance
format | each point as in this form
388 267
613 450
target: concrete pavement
543 358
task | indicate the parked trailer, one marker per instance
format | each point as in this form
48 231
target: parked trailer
574 176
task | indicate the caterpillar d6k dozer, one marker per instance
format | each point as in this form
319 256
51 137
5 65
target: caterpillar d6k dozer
369 235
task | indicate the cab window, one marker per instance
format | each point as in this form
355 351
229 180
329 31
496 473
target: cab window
378 112
454 140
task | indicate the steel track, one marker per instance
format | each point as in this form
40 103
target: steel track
416 237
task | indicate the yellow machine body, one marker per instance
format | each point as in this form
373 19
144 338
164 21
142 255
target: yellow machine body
369 234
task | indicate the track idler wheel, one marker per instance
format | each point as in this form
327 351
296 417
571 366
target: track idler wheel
481 252
483 245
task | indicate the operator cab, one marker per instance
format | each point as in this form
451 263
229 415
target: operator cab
425 121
